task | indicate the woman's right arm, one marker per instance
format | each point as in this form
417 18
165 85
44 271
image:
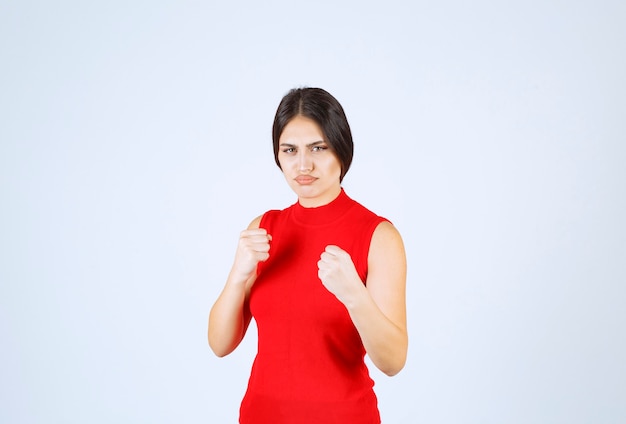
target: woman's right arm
230 315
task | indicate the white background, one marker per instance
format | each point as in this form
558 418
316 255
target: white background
135 145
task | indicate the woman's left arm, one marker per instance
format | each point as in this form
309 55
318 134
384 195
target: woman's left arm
378 308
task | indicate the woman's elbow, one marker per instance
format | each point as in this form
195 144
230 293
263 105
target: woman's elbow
219 349
216 350
394 368
219 344
391 366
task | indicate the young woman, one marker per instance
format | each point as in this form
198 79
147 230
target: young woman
324 280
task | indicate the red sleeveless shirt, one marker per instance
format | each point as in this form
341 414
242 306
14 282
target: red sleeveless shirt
310 366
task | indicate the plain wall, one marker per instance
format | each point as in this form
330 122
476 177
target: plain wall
135 145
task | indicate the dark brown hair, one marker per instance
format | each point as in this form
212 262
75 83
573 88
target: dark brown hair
320 106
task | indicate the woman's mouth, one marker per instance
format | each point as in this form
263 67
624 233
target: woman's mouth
305 179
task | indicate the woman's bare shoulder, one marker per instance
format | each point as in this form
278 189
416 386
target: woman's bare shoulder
386 233
256 222
387 246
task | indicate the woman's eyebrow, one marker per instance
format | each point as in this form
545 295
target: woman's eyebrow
315 143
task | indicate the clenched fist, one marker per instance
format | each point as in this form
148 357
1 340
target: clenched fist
253 247
338 274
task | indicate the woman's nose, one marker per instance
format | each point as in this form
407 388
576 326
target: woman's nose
305 162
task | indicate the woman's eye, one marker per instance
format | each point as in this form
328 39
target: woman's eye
319 148
289 150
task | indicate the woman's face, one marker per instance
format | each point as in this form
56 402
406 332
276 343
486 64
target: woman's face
309 164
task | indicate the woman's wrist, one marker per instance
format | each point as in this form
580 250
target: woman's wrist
356 298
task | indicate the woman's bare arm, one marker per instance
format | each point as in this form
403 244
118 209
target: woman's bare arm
378 309
230 315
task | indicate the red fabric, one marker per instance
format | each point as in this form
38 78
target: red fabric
310 362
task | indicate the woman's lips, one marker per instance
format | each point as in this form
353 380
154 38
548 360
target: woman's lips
305 180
